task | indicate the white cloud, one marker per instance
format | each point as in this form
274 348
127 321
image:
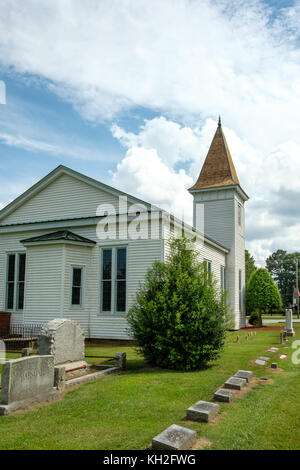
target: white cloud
186 58
148 170
189 61
143 174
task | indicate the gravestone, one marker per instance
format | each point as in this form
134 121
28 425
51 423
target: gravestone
244 374
289 330
63 339
274 365
264 358
235 383
27 381
121 360
224 395
259 362
272 350
202 411
174 438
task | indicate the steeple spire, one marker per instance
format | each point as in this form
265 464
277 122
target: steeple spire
218 168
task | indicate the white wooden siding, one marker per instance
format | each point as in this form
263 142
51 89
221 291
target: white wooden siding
65 197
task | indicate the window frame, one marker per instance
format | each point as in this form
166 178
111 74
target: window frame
16 282
113 297
82 287
208 265
223 277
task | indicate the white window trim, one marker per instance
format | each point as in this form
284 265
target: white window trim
223 277
113 311
210 262
16 281
82 292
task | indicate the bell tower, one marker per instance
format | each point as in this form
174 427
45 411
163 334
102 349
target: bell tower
218 190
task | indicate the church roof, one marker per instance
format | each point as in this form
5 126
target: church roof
58 236
218 168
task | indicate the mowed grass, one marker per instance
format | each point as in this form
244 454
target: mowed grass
126 411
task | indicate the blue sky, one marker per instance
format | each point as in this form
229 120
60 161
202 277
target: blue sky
129 92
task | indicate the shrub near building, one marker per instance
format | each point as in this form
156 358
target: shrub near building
179 319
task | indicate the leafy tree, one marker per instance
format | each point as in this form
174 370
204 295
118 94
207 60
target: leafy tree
250 265
262 293
282 267
179 319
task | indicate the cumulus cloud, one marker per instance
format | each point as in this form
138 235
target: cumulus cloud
150 170
143 173
185 58
187 61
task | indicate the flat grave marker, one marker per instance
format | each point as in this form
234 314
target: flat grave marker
174 438
202 411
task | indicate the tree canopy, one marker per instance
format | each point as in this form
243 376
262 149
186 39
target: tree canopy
262 292
282 267
249 265
179 318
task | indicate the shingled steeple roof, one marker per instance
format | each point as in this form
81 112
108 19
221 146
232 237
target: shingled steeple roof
218 168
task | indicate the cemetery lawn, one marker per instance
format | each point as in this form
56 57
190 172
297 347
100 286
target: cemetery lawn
126 411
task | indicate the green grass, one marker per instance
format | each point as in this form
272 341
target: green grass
126 411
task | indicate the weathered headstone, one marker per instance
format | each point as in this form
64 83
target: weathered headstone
259 362
244 374
27 381
174 438
289 322
59 377
202 411
224 395
235 383
26 352
274 365
62 338
121 360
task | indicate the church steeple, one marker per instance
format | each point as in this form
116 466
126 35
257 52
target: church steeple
218 168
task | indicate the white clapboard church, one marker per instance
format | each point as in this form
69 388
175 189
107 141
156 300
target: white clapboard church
73 247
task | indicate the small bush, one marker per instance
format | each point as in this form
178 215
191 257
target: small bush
179 318
254 319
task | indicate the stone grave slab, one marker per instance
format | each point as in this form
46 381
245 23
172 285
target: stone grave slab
63 339
27 381
235 383
272 350
274 365
283 356
244 374
174 438
264 358
224 395
202 411
260 362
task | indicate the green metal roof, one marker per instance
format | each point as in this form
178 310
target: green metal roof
60 235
